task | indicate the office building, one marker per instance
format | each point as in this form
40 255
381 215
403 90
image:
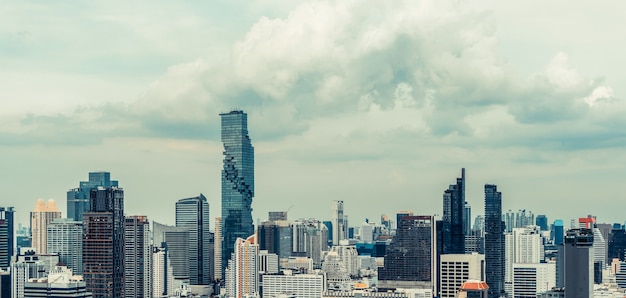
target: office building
617 243
103 242
310 239
268 262
523 246
237 181
217 249
576 263
7 234
296 285
494 241
162 274
193 214
65 238
176 241
29 265
542 221
558 232
41 216
410 259
242 273
531 279
340 228
78 198
337 276
453 220
455 269
300 264
137 256
276 236
60 282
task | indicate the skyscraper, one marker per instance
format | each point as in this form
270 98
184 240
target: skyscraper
175 240
193 214
576 263
78 198
494 241
339 226
237 181
242 274
410 259
42 215
103 242
7 231
454 213
137 256
65 237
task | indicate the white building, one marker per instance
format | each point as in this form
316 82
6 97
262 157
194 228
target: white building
242 273
367 232
349 258
340 227
530 279
162 274
59 283
522 245
455 269
268 262
65 237
27 266
298 285
300 263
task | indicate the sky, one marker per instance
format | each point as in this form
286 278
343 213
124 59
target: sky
376 103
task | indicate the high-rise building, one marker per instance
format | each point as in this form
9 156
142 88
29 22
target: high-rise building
7 234
617 243
59 283
42 215
542 221
575 263
276 237
340 228
494 241
103 242
530 279
454 217
65 237
558 233
137 256
193 214
176 241
455 269
242 273
237 181
162 274
410 259
349 257
78 198
522 246
217 249
310 239
25 267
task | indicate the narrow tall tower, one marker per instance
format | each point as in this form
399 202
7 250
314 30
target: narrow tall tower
339 226
494 241
40 218
103 242
137 260
454 215
193 214
237 181
577 261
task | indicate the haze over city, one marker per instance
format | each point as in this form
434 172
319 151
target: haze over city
379 104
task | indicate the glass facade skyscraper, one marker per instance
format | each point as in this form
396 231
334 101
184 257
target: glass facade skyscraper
494 241
454 214
193 214
237 181
78 198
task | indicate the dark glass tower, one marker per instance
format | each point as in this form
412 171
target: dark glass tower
103 242
193 214
494 241
237 181
453 233
542 221
78 198
410 257
7 230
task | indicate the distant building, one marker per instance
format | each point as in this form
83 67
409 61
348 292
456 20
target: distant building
268 262
176 241
65 237
617 243
453 230
193 214
523 246
455 269
162 283
242 273
297 285
531 279
29 265
217 249
40 217
309 239
137 256
237 181
576 268
340 228
59 283
276 237
7 234
558 232
349 257
78 198
103 242
494 241
410 259
474 289
542 221
5 284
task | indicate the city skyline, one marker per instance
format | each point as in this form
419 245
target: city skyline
376 105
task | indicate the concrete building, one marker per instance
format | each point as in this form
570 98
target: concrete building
349 258
575 263
162 283
137 256
60 282
340 228
29 265
523 245
242 273
455 269
176 241
40 217
268 262
531 279
297 285
65 238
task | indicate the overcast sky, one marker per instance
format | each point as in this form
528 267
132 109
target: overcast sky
377 103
